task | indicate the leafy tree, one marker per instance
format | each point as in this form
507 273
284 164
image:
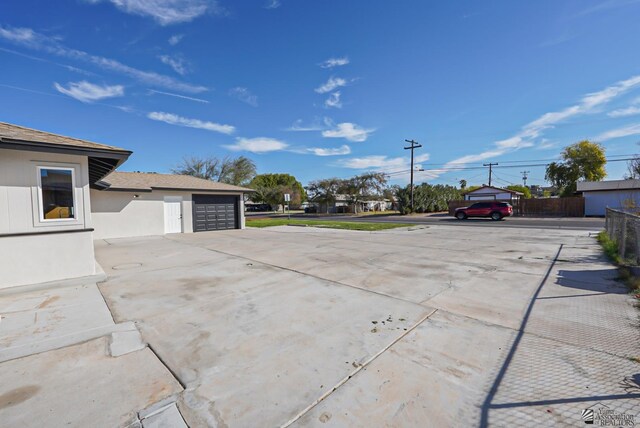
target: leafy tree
270 189
580 161
324 191
522 189
363 187
238 171
463 184
427 197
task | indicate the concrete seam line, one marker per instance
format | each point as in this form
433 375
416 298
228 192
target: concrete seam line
175 376
356 371
310 275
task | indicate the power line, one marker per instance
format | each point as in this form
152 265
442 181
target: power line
490 165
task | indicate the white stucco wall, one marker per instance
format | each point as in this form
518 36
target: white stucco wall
118 214
36 255
596 203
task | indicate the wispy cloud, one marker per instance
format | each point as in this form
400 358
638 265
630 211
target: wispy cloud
319 151
198 100
331 84
528 134
335 62
349 131
624 112
173 119
178 64
625 131
165 12
380 162
273 4
244 95
175 39
89 92
299 126
333 101
36 41
35 58
257 145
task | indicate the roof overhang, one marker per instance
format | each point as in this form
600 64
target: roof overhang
101 161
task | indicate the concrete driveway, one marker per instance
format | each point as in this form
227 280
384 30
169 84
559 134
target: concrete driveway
437 326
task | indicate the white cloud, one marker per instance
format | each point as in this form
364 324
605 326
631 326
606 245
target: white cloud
318 151
533 130
198 100
383 163
273 4
165 12
244 95
175 39
173 119
89 92
20 35
349 131
298 126
335 62
333 100
179 65
624 112
257 145
36 41
619 132
331 84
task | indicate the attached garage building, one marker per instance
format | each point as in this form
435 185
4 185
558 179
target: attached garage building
129 204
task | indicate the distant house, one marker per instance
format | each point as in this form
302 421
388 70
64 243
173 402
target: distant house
343 204
617 194
490 193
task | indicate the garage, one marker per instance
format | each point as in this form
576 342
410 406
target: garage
215 212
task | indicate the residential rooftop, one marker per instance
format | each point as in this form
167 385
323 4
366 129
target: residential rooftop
147 181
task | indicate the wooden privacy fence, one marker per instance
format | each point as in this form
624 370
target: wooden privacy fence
540 207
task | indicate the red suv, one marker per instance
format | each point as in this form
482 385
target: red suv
495 210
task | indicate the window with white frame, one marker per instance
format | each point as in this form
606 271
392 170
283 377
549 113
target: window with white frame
56 193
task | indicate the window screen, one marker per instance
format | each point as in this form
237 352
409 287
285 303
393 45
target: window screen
56 187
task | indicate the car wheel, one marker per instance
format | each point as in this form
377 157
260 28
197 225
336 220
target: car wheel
461 216
496 216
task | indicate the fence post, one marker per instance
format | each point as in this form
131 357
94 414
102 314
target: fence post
637 228
606 222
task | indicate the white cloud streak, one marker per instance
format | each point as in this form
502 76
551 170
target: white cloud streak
36 41
625 131
244 95
624 112
257 145
298 126
348 131
198 100
273 4
89 92
331 84
173 119
164 12
339 151
179 65
333 101
531 131
335 62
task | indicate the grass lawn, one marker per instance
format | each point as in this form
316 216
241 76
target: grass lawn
350 225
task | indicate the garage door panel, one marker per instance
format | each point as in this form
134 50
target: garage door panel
215 212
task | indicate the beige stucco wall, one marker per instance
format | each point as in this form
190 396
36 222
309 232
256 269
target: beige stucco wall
118 214
33 257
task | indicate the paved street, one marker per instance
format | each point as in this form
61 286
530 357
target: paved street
433 325
569 223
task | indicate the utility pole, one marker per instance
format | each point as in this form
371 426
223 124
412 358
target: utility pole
490 165
524 177
414 145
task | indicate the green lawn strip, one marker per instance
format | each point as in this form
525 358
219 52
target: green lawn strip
348 225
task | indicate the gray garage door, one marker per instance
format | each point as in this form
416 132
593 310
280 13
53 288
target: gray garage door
214 212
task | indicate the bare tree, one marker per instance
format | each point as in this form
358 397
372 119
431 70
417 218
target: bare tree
237 171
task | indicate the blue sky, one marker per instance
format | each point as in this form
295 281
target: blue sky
329 88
